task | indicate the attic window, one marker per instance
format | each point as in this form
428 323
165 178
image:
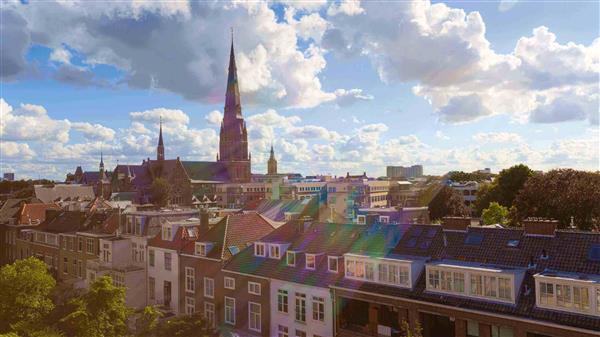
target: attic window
384 219
311 261
274 251
202 248
474 239
361 219
234 250
594 253
291 259
259 249
513 243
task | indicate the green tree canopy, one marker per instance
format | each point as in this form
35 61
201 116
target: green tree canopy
101 312
147 322
504 188
562 194
447 202
187 326
160 191
495 214
25 286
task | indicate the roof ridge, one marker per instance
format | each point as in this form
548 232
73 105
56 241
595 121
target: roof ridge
225 237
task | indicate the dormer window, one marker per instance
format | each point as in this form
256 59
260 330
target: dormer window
166 233
202 248
567 292
361 219
259 249
384 219
274 251
332 264
291 259
311 261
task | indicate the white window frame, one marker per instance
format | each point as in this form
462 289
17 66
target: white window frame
318 308
337 264
384 219
190 305
209 291
378 270
201 249
300 307
361 219
274 251
314 261
254 288
231 284
575 287
287 258
190 279
229 310
283 331
166 233
283 301
260 249
251 319
210 308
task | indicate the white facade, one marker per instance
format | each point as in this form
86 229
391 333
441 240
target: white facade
165 277
567 292
318 309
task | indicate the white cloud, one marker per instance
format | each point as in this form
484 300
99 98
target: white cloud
61 55
506 5
348 97
214 117
94 131
347 7
496 137
31 123
16 150
174 116
441 135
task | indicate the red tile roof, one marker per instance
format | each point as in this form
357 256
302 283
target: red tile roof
34 213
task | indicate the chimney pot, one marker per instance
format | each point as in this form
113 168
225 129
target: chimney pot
456 223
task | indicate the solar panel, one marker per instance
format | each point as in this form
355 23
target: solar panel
594 253
234 250
474 239
412 242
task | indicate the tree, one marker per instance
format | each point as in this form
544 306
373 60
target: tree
460 176
504 188
417 331
194 325
25 293
101 312
562 194
148 321
447 202
495 214
160 191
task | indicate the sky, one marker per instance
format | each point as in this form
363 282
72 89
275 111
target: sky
336 87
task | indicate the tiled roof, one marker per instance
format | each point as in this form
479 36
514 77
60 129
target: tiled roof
10 209
276 209
34 213
63 191
183 236
65 222
206 170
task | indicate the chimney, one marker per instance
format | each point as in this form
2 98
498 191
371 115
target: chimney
456 223
540 226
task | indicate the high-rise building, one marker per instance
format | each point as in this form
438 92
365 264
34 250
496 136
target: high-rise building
8 176
414 171
233 140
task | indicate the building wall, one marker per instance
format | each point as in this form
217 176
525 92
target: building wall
311 327
242 298
202 268
160 275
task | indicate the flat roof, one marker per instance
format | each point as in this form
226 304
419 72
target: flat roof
580 277
475 266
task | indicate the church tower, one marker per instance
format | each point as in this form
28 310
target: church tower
272 164
160 149
233 138
100 186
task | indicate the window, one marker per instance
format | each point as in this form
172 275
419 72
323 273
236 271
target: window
598 300
318 308
502 331
504 288
200 249
350 268
166 233
209 287
118 280
80 269
547 293
472 328
282 331
274 251
476 285
310 261
74 270
490 286
434 279
151 287
80 245
300 307
282 301
369 271
90 246
229 283
254 288
69 243
190 279
563 295
65 265
190 305
167 261
151 257
259 249
254 316
291 258
459 282
581 298
300 333
229 310
209 313
446 279
332 264
138 226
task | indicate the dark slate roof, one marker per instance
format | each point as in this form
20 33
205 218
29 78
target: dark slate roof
65 222
206 170
567 252
326 239
276 209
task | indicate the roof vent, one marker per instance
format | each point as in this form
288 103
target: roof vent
544 255
531 264
527 290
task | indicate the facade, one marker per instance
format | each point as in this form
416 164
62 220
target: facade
345 196
8 176
468 191
414 171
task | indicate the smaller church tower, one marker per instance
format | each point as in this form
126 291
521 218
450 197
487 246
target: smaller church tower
160 149
101 177
272 164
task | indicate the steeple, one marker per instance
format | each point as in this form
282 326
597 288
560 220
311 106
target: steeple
233 107
160 149
272 163
101 162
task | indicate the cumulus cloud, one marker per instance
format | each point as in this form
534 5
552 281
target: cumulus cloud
16 150
61 55
31 123
94 131
496 137
348 97
214 117
174 116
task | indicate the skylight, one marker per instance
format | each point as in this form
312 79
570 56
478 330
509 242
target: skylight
594 253
513 243
234 250
474 239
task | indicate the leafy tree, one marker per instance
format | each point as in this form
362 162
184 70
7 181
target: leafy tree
101 312
461 176
25 293
417 331
147 323
447 202
494 214
562 194
160 191
187 326
504 188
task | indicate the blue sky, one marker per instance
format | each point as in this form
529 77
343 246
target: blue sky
336 87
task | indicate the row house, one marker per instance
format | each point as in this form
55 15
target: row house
284 278
203 287
459 281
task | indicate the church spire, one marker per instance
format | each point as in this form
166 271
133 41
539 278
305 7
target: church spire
272 163
233 107
160 149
